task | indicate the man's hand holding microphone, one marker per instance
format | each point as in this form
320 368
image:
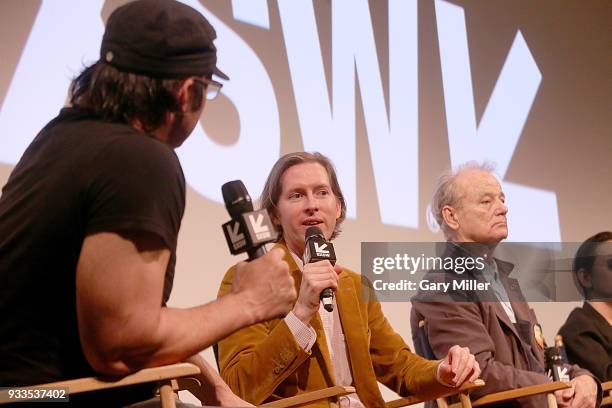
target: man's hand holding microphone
319 277
263 284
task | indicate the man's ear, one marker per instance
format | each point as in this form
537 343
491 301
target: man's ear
449 215
276 222
274 218
584 278
185 95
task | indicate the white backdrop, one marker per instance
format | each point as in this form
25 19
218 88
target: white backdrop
393 91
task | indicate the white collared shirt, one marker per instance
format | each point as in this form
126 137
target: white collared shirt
305 336
491 275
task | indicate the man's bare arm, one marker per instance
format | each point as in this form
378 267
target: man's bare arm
123 326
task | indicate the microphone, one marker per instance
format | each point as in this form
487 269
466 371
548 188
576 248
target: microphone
559 345
554 357
248 231
318 249
554 365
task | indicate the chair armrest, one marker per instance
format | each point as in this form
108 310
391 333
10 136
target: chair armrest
607 394
100 383
465 388
192 385
336 391
521 392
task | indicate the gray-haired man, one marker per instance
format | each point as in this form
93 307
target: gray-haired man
470 207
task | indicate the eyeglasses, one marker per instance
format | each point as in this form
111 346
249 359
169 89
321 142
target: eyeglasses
212 88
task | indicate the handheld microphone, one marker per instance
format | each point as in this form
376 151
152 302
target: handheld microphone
554 365
559 345
319 249
248 231
555 361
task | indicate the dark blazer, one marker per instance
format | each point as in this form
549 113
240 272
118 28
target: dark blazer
507 353
587 336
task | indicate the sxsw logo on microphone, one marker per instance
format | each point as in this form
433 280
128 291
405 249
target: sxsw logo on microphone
234 236
253 229
261 230
561 372
321 250
237 237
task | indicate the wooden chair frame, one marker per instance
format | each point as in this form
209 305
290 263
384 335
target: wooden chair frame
165 377
422 347
466 402
463 392
607 394
169 379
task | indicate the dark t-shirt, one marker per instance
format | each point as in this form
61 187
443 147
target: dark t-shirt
79 176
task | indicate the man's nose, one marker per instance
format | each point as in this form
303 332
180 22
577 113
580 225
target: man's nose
501 209
311 203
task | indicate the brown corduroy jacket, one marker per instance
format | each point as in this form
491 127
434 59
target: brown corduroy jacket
263 362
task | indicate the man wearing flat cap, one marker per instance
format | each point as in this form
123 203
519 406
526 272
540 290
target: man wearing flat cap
90 215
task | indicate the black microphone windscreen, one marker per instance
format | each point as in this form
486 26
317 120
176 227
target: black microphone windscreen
236 197
313 232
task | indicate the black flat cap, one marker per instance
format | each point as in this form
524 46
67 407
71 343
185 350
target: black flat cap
160 38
